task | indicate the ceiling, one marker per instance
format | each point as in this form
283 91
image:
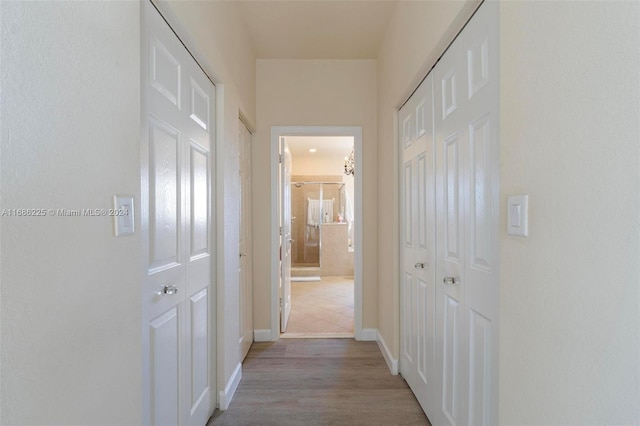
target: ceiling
328 147
312 29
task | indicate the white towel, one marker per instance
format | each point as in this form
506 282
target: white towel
316 213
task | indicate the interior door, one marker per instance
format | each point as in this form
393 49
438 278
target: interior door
286 240
417 361
450 136
246 272
176 215
467 211
479 113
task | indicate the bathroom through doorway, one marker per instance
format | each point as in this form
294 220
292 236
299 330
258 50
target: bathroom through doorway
317 287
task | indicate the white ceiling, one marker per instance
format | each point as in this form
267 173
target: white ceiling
329 147
312 29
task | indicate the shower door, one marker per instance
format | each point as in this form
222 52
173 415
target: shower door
306 209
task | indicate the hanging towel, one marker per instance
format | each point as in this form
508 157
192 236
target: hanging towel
313 212
318 213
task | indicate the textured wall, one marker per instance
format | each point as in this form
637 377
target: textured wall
71 301
569 324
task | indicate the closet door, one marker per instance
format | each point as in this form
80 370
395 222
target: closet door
466 124
417 361
479 112
176 227
451 134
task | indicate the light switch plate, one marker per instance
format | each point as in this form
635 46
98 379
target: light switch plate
123 215
518 215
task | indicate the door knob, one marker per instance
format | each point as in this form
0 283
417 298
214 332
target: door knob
243 254
419 265
170 289
449 280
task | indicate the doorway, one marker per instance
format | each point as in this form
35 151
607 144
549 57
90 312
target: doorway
321 201
317 232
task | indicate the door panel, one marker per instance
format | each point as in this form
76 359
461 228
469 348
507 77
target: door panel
165 368
165 186
417 361
246 252
480 117
285 290
176 216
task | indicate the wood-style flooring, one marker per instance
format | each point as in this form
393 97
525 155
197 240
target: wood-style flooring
314 382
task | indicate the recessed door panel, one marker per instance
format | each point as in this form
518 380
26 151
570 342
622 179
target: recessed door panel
478 65
480 211
421 197
164 344
449 93
199 326
479 369
408 313
165 185
408 206
165 72
199 105
407 136
199 197
450 371
451 191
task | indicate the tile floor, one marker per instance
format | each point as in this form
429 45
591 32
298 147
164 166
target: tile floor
322 308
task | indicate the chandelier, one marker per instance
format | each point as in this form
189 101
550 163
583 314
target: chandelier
349 164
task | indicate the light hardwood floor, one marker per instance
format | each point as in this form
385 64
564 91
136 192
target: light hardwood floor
321 309
314 382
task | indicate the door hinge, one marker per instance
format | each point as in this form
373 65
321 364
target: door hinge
281 230
280 158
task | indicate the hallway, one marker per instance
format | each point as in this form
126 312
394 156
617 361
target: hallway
315 382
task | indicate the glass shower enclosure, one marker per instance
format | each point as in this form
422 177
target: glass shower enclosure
313 204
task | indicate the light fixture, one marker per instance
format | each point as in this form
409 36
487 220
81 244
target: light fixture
313 150
349 164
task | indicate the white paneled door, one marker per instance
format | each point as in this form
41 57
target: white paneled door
465 114
246 256
417 357
286 238
178 102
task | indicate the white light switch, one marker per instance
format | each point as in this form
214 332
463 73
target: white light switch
123 216
517 215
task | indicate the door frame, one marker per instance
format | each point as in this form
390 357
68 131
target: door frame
276 133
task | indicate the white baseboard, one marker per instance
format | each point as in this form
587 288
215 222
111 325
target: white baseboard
392 362
230 389
263 335
368 335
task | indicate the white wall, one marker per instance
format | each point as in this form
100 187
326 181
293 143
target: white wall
417 35
215 34
71 301
313 93
569 326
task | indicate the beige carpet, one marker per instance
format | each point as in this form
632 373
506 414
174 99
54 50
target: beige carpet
321 309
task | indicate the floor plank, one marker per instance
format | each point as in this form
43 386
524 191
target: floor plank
319 382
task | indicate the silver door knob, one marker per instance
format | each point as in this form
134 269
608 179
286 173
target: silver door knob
243 254
419 265
170 289
449 280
